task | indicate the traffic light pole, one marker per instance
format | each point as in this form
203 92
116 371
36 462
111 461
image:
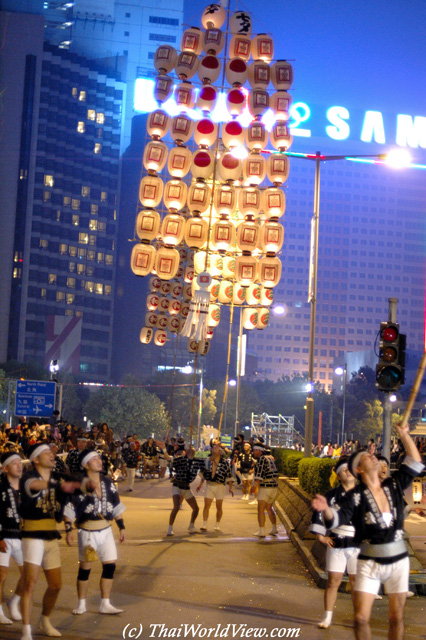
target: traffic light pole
387 405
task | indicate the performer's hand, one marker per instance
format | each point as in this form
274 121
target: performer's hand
3 546
319 503
402 430
70 486
199 487
122 535
326 540
69 537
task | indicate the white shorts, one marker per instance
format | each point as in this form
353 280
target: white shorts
185 493
341 560
247 476
150 462
101 541
43 553
394 576
215 490
14 550
267 494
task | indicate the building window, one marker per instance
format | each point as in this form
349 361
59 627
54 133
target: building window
99 288
101 226
46 196
60 296
160 20
89 286
72 251
100 118
107 289
71 283
17 272
43 294
71 267
97 148
93 225
82 253
75 204
109 259
63 249
48 181
81 127
58 215
44 244
92 241
74 92
51 278
126 33
17 257
127 15
94 209
85 191
75 219
101 257
90 270
91 114
83 238
91 255
160 37
82 96
69 298
104 196
81 268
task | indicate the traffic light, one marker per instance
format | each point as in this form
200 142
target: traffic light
390 371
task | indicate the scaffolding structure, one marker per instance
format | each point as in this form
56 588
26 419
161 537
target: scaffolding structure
277 431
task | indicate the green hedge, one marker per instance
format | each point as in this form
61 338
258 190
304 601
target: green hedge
287 461
314 474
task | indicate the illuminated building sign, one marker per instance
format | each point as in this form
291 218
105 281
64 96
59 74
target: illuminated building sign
336 122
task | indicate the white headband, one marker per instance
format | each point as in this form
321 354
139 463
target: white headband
341 467
86 459
357 459
10 458
258 447
38 450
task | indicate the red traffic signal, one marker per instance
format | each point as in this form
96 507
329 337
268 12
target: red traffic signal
390 368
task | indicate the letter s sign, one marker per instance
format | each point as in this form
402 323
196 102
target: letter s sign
340 129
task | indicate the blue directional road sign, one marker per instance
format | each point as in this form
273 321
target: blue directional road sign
35 398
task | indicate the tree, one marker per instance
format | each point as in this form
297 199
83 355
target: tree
370 424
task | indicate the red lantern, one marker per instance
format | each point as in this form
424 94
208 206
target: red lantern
232 134
152 301
160 338
229 168
236 101
236 71
202 164
154 283
205 132
207 98
209 69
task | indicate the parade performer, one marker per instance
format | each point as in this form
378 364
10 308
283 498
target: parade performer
376 509
245 467
185 469
265 478
216 472
93 513
10 530
340 542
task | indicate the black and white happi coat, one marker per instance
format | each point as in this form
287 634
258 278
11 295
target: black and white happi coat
359 507
89 506
10 519
185 470
342 536
266 471
222 474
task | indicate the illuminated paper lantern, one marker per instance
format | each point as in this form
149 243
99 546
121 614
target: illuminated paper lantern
187 293
239 47
240 23
166 263
174 307
158 124
205 132
150 191
202 164
247 235
259 74
214 263
165 288
236 71
228 267
163 88
203 347
214 290
235 101
185 95
273 202
151 319
213 317
229 168
239 295
262 318
277 168
223 235
184 310
142 259
280 136
152 301
172 230
226 291
214 16
245 270
192 346
179 161
176 290
192 41
145 335
256 136
162 321
225 199
183 253
148 224
249 200
175 195
232 134
269 271
199 195
160 338
282 75
262 47
209 69
250 318
188 274
165 59
155 156
209 333
179 272
186 65
181 128
207 98
271 236
213 41
253 294
258 102
154 283
196 232
163 304
280 103
173 324
266 296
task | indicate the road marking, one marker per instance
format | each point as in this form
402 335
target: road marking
203 538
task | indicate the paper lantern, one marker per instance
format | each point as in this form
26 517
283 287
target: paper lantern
165 288
173 324
271 236
145 335
214 290
280 136
203 347
232 134
239 295
259 74
181 129
154 283
184 310
179 161
269 271
253 294
273 202
226 292
239 47
199 195
266 296
256 136
247 235
179 272
166 263
223 235
185 95
205 132
176 290
192 41
214 15
142 259
174 307
155 156
249 200
258 102
172 230
240 23
250 318
202 164
207 98
196 232
163 304
209 69
235 101
282 75
209 333
277 168
214 263
148 224
229 168
187 293
213 317
158 124
213 41
228 267
245 270
262 47
150 191
186 65
160 338
236 71
225 199
175 194
163 88
262 318
280 103
254 169
165 59
151 319
188 275
152 301
162 321
192 346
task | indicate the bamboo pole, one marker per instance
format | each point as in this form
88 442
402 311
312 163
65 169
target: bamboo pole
414 390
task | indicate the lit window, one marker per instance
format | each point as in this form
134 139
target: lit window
74 92
48 181
94 209
75 204
58 215
107 289
17 272
52 278
101 257
92 241
75 219
100 118
93 225
46 196
60 296
81 127
83 238
104 196
81 268
99 288
91 114
44 244
71 283
109 259
69 298
79 314
91 254
85 191
72 251
90 270
17 257
90 286
69 312
82 253
97 148
43 293
63 249
115 214
71 267
82 96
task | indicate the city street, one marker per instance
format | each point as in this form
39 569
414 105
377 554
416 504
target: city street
258 588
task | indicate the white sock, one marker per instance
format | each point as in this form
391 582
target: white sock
81 607
4 619
106 607
326 621
26 632
217 524
170 530
47 627
274 528
261 532
205 524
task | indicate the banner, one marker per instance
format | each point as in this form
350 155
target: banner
63 342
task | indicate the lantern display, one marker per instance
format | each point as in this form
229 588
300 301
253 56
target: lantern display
172 230
249 200
277 168
248 235
151 320
145 335
163 88
166 263
151 191
162 321
205 132
207 98
160 338
254 169
223 235
185 95
181 128
262 47
226 291
154 283
262 318
236 101
239 47
250 318
266 296
214 16
280 104
179 161
232 134
202 164
240 23
245 270
269 271
158 124
225 199
148 224
142 259
155 156
213 41
236 72
280 136
271 236
273 202
152 302
165 288
186 65
175 194
259 74
192 41
239 295
256 136
282 75
165 59
199 196
203 347
258 102
173 324
229 168
253 294
209 69
228 267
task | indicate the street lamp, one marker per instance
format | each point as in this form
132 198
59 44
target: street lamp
313 268
342 371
